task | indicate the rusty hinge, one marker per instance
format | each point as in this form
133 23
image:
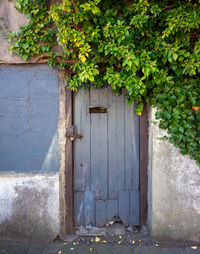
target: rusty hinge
70 134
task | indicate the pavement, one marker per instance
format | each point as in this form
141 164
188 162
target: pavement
94 248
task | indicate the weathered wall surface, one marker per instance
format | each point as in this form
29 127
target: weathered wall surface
29 207
29 153
174 192
13 20
29 119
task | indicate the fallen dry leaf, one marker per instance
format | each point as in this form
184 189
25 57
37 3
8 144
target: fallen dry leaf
97 239
139 241
193 247
103 241
196 108
90 249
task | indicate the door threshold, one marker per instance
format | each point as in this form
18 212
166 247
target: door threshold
91 231
106 230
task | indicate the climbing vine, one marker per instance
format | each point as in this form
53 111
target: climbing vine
151 48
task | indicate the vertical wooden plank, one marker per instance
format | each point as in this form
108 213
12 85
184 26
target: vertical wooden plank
143 164
94 140
81 146
115 143
112 209
94 149
103 154
85 141
82 153
99 144
62 137
123 204
128 149
134 208
69 166
101 212
119 149
112 144
131 148
78 208
78 176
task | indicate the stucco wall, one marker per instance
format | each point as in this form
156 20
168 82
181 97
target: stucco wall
29 153
29 207
13 20
174 191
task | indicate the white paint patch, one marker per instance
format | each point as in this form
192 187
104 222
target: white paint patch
42 186
7 196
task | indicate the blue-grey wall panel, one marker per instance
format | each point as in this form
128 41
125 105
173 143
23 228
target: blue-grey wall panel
28 119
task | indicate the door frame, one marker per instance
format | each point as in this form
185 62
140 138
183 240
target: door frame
67 223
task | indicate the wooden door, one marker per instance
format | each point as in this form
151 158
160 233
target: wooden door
106 158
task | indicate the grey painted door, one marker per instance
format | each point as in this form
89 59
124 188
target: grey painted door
106 159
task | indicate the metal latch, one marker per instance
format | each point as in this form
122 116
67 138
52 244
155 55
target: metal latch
70 134
77 136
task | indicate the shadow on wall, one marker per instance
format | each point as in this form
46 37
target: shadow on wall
29 119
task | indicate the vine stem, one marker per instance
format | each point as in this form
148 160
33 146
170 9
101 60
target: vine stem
75 8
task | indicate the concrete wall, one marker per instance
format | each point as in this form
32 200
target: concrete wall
174 191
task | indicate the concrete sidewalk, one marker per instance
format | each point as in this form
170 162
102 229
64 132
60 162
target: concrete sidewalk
94 248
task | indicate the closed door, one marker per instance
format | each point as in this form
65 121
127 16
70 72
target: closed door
106 158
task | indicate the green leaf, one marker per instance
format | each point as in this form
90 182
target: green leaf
175 56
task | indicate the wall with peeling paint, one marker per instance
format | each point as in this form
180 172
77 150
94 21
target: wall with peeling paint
29 153
29 206
174 193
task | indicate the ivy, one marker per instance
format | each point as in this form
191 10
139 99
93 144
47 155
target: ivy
151 48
